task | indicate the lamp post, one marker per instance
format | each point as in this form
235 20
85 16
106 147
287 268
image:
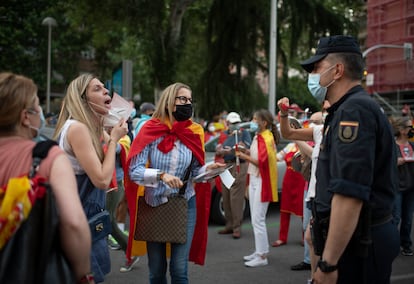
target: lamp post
273 57
49 22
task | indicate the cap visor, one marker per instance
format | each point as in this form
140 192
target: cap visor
309 63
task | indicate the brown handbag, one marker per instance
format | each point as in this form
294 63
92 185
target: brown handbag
166 223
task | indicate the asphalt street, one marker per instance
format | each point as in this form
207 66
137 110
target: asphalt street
224 261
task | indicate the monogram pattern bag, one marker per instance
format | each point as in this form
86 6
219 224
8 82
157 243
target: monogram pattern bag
166 222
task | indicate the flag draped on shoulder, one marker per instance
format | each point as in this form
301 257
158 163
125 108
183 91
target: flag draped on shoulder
268 166
192 135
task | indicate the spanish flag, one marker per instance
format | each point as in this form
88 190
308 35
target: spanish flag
268 165
124 143
192 135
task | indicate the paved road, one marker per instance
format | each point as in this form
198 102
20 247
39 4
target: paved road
224 262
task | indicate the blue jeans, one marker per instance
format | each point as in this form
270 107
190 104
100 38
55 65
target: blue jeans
307 213
403 211
157 260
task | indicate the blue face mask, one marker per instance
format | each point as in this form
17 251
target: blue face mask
133 113
318 91
254 126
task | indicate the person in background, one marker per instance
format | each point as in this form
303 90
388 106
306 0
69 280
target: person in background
300 135
19 125
404 201
356 176
116 199
293 189
233 197
146 110
219 122
80 133
167 145
262 181
210 132
117 205
406 111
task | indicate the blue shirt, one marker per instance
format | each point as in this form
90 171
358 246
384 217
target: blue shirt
175 162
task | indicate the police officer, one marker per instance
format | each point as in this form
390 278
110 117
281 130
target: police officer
356 173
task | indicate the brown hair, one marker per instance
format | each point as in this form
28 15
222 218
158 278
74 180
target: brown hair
267 116
17 93
398 123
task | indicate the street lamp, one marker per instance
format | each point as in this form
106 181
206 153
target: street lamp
273 57
49 22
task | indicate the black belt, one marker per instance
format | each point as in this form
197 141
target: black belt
381 220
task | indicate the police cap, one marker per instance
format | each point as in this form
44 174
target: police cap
332 44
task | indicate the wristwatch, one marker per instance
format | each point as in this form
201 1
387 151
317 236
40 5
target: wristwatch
325 267
160 175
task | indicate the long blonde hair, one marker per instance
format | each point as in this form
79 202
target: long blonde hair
75 106
165 105
17 93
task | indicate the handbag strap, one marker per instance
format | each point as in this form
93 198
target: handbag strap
187 175
39 152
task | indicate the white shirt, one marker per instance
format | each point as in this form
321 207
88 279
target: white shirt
317 138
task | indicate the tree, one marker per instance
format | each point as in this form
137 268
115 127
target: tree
24 40
239 33
216 46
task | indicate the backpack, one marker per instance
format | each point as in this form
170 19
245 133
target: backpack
30 250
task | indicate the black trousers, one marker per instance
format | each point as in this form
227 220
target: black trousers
377 267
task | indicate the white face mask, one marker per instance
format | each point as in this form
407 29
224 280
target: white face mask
115 114
111 119
315 88
42 125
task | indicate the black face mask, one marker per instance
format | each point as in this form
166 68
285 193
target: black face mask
410 133
183 112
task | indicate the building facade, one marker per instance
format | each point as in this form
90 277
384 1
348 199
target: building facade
390 24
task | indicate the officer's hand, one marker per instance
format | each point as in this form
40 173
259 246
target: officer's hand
320 277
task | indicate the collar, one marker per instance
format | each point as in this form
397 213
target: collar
351 92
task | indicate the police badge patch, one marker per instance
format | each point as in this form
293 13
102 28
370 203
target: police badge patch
348 131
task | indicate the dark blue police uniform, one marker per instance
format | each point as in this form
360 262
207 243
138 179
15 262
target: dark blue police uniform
358 159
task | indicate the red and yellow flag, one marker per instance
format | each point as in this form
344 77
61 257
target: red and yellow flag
192 135
268 165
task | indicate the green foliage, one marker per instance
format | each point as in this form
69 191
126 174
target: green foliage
216 46
24 41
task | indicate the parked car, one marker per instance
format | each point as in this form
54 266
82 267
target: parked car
216 209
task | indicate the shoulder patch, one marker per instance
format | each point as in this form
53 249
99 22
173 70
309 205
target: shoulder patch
348 131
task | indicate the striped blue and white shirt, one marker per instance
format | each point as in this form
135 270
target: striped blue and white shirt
174 163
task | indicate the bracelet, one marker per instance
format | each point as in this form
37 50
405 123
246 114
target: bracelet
284 115
109 141
87 278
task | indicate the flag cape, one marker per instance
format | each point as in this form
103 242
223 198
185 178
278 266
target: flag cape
125 144
267 166
192 135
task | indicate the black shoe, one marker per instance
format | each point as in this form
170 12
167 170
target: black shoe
301 266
